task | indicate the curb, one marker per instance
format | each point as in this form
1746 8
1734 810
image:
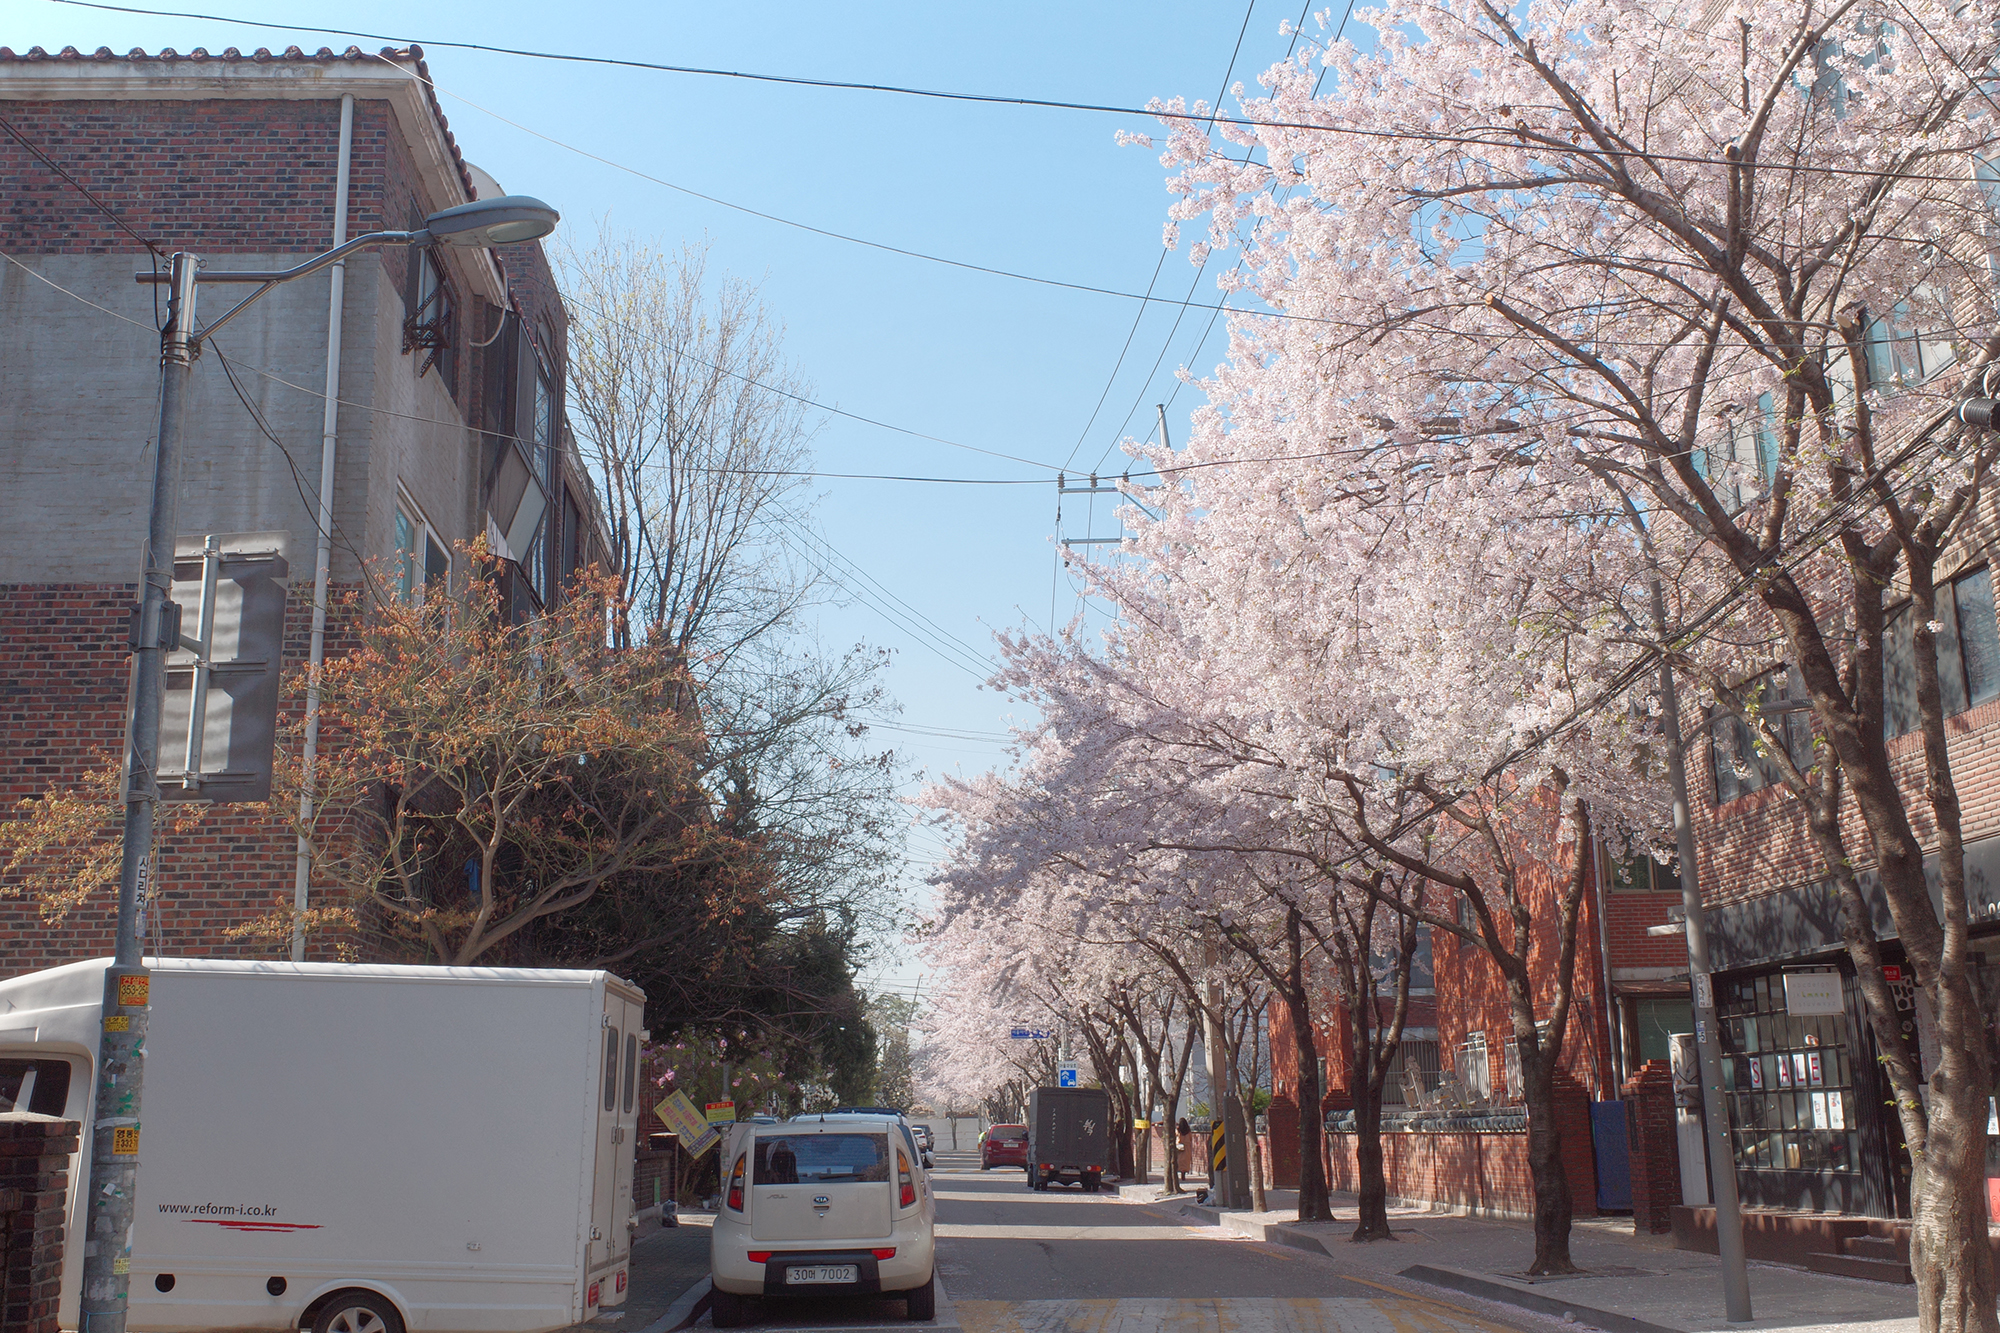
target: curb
1274 1233
689 1306
1508 1294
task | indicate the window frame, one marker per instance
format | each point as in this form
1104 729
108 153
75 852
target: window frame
1955 676
1793 714
414 579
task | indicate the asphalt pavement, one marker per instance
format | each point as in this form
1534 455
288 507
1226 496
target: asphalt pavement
1062 1261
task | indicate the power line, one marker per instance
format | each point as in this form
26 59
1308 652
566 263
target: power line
1469 140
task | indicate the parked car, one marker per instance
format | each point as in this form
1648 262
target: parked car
834 1203
926 1143
1004 1145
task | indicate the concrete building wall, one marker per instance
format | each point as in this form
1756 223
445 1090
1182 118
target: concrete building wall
233 158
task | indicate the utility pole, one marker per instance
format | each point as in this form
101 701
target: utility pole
114 1140
1228 1187
1708 1038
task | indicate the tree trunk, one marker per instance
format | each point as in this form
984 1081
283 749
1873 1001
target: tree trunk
1365 1088
1371 1184
1259 1200
1314 1204
1949 1251
1552 1205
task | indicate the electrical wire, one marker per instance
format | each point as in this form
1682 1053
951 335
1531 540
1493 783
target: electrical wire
1044 103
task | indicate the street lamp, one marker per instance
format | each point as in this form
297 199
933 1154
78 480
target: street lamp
114 1147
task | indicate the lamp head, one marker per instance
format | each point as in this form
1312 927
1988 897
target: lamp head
507 220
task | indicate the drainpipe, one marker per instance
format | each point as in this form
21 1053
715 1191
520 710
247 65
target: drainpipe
1614 1032
322 565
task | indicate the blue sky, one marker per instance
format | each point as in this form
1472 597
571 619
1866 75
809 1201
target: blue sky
996 363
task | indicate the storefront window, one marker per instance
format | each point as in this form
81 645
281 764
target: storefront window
1789 1085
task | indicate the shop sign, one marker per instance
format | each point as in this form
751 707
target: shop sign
1814 995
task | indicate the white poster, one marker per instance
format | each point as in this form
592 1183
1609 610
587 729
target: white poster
1813 994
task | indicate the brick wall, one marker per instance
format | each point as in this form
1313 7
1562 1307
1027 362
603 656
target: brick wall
1655 1147
63 674
34 1182
1759 843
219 177
1481 1173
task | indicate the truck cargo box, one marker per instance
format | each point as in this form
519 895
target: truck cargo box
456 1141
1069 1136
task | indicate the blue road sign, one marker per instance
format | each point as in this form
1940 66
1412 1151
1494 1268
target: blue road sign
1032 1034
1066 1076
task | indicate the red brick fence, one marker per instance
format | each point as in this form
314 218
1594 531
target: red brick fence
1480 1169
34 1183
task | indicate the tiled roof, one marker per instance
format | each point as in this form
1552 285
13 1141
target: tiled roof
263 55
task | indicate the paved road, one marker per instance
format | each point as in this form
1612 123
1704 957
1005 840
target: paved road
1062 1261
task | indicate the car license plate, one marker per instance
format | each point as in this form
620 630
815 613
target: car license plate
795 1277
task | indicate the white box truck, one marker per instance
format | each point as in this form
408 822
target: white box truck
355 1149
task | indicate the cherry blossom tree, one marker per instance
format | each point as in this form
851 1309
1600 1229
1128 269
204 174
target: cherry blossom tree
1731 264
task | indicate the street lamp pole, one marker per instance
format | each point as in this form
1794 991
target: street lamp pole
115 1125
114 1139
1708 1038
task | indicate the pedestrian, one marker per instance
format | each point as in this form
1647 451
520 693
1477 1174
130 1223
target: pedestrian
1184 1132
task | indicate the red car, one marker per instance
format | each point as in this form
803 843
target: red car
1004 1145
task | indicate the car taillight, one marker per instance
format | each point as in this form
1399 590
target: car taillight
887 1253
736 1186
903 1175
760 1256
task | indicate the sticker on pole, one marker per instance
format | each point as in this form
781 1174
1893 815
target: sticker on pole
133 990
125 1141
720 1113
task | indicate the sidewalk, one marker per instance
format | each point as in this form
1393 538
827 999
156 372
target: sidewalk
1639 1284
667 1264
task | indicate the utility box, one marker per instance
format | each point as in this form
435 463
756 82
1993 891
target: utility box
454 1144
1069 1137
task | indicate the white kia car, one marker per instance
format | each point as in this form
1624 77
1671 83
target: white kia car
828 1204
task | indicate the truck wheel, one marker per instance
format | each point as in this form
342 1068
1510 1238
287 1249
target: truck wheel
1089 1184
922 1301
357 1312
725 1309
1033 1184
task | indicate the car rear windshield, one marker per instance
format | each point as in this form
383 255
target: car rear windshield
1009 1133
796 1159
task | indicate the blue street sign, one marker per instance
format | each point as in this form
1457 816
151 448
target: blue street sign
1066 1076
1032 1034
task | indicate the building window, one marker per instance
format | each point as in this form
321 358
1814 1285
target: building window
1742 462
1899 356
544 452
1633 868
1412 1075
423 564
1474 1070
1780 698
1968 654
1789 1085
430 327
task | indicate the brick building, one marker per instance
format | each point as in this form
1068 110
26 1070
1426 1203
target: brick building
448 424
1810 1123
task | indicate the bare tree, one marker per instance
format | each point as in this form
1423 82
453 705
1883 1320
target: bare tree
697 428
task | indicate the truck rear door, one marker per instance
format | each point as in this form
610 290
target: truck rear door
617 1107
